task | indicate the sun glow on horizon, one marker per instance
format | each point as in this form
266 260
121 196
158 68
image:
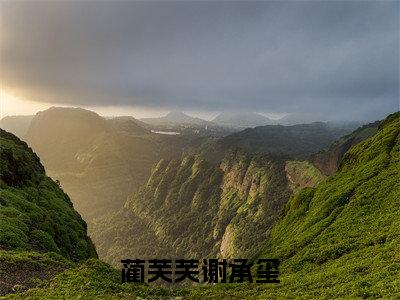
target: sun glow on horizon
11 105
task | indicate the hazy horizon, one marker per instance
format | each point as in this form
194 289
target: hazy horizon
32 108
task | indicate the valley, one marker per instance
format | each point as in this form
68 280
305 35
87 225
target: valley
247 194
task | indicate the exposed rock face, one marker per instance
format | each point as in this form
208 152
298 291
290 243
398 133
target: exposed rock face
328 161
191 207
302 174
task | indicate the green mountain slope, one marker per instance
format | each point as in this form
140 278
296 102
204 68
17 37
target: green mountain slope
94 279
35 215
342 238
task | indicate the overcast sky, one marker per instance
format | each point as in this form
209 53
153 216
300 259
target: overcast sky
332 59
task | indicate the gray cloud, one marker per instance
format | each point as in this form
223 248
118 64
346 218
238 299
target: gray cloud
338 59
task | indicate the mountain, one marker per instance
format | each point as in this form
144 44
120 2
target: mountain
297 142
128 125
175 118
193 208
36 217
340 239
242 120
328 160
300 118
229 180
17 125
336 240
58 135
99 162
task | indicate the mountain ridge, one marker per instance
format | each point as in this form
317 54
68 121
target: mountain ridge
242 120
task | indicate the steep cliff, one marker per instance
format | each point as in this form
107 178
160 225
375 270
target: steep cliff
36 216
192 208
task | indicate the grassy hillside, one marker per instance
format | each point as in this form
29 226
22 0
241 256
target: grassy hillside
94 279
36 216
21 270
35 213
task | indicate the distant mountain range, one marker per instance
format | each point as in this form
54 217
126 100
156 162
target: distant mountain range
100 161
242 120
295 142
234 120
176 117
221 125
230 120
129 125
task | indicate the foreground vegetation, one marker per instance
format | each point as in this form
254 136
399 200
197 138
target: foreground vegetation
35 214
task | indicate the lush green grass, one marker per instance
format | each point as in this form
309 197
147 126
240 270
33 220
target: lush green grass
21 270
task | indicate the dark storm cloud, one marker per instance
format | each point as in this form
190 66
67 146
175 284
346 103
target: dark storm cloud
335 58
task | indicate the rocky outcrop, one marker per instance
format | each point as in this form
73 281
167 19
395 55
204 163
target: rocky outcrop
328 161
302 174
